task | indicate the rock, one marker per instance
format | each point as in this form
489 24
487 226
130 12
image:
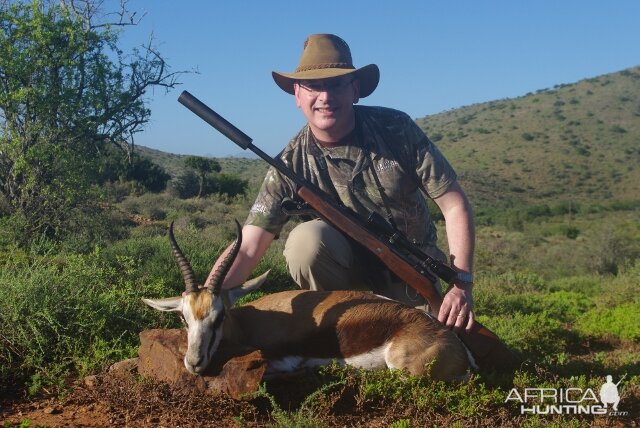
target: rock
234 371
53 410
127 367
240 374
91 381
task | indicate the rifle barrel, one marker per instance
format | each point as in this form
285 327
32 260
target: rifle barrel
215 120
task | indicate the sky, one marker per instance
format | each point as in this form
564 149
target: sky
433 56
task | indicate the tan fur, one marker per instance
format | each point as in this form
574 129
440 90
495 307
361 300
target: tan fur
342 324
200 303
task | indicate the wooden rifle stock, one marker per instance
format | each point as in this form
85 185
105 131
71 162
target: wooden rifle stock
490 353
359 234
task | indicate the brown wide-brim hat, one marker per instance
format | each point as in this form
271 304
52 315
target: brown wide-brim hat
325 56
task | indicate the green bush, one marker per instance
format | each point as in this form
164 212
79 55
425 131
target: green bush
515 282
228 184
533 335
187 185
617 129
565 306
586 285
390 387
621 321
572 232
71 315
615 249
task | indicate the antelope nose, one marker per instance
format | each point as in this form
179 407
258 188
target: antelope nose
198 366
190 366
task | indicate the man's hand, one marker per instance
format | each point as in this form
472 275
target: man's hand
456 310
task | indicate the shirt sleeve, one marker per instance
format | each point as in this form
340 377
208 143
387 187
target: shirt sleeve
266 211
433 170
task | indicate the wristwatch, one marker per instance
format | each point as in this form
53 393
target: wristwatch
464 277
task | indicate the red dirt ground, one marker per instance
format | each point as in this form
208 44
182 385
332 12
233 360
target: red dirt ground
107 401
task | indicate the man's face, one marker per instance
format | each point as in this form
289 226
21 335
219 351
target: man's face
328 105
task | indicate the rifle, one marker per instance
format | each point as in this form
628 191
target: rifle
403 258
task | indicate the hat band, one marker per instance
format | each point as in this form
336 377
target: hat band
329 65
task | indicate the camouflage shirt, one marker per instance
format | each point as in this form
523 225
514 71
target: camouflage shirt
398 150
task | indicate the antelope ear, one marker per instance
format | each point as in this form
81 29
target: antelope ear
246 288
168 304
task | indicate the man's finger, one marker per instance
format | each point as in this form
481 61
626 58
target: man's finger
452 319
444 313
471 319
460 321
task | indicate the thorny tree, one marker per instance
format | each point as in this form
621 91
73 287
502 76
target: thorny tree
202 166
66 93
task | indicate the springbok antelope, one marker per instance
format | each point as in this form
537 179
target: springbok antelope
301 329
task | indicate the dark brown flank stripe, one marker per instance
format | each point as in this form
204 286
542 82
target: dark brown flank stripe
338 327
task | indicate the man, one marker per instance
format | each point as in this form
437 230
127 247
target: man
372 159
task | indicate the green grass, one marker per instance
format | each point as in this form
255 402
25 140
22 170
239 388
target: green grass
622 322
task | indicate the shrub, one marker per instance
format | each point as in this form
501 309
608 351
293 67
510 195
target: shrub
572 232
565 207
435 137
533 335
587 285
70 315
515 282
622 321
617 129
228 184
150 176
535 211
188 185
565 306
614 250
389 387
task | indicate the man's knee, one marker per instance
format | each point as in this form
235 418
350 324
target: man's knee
318 257
313 241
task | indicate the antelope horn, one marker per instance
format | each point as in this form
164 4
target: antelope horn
187 272
215 283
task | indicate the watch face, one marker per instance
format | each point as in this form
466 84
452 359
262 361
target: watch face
465 277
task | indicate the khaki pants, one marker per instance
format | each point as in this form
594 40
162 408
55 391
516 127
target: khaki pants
320 257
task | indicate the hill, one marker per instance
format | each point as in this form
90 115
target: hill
247 168
574 142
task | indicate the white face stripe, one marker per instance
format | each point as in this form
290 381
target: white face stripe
203 336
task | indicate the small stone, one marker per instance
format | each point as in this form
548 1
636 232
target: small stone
91 381
130 365
53 410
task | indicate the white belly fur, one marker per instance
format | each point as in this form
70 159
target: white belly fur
374 359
